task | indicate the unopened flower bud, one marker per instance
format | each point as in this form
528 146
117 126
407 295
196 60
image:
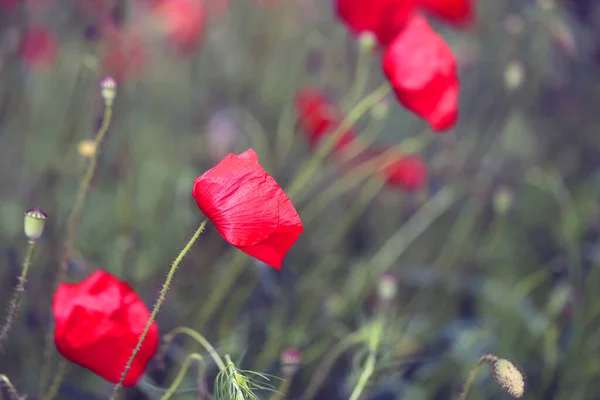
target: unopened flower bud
290 362
387 287
34 223
503 199
514 75
367 41
108 90
508 376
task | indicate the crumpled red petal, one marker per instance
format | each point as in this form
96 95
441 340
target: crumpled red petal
239 199
422 71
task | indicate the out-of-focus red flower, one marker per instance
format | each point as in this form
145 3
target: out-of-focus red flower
183 21
408 172
125 54
382 18
422 71
38 47
248 207
457 12
98 324
9 4
319 118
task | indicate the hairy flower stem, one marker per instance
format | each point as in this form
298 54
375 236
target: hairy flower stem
198 338
487 358
354 115
15 302
159 302
72 222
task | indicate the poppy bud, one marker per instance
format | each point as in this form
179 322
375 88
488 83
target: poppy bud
387 289
290 362
507 375
87 148
108 90
34 223
367 41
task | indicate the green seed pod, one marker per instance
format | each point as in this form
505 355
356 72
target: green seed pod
33 224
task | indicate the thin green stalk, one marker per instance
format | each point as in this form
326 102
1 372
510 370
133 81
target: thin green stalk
373 342
159 302
56 381
179 378
198 338
15 302
471 378
9 386
354 115
323 369
361 77
282 390
72 222
223 287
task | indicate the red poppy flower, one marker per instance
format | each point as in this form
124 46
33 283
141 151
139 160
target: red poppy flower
125 55
382 18
318 118
457 12
408 172
38 47
422 71
183 21
98 324
248 208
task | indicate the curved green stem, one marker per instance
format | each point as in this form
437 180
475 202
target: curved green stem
11 389
15 302
179 378
374 339
323 150
487 358
282 390
323 369
58 377
361 77
159 302
72 222
198 338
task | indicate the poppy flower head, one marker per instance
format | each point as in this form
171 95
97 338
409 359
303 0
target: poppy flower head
125 55
98 324
318 117
457 12
38 47
422 71
248 208
382 18
183 21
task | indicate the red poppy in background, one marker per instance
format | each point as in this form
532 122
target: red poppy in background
422 71
382 18
9 4
183 21
248 208
38 47
408 172
457 12
125 54
98 324
319 118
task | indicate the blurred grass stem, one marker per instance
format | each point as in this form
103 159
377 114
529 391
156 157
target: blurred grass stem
15 302
10 387
312 166
471 378
159 302
72 222
374 339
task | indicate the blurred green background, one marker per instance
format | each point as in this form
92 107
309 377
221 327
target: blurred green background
499 253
